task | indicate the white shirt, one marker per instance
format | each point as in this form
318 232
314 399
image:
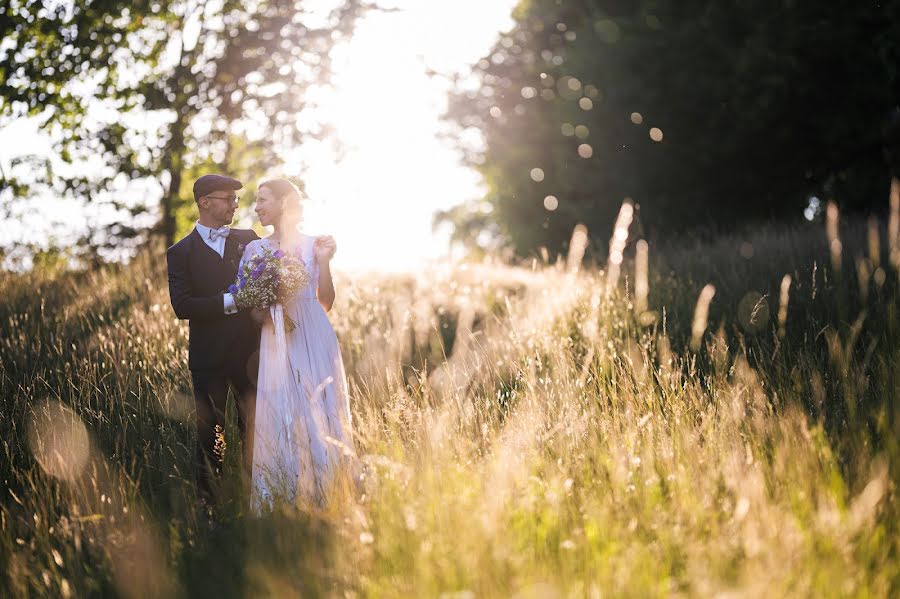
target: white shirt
218 246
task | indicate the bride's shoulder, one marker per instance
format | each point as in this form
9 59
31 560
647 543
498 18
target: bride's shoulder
254 245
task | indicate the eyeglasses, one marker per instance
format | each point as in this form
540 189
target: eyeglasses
232 199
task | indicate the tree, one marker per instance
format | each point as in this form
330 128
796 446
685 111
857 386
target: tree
702 113
157 88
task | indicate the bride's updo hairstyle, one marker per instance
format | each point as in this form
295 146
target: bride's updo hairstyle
289 196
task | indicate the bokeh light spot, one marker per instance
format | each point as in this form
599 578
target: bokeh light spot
585 103
537 174
59 440
656 134
637 118
585 151
608 31
581 132
568 87
568 129
177 406
551 203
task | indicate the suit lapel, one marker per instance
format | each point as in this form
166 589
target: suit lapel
231 253
198 240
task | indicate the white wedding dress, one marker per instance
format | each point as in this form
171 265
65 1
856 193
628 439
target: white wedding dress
302 433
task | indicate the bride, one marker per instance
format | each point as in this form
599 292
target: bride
302 427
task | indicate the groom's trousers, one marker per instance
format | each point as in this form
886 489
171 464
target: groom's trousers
210 394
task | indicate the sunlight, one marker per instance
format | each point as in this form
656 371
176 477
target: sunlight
390 163
392 169
586 381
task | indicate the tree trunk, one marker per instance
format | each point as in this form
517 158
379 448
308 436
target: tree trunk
174 167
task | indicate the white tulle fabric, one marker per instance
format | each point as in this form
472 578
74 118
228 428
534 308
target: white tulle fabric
302 431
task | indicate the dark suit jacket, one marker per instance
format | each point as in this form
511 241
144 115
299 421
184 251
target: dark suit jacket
198 280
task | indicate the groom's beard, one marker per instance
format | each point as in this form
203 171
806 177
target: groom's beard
227 219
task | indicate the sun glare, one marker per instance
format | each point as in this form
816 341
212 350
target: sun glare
377 190
387 165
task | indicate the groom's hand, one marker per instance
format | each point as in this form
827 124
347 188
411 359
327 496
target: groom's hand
259 315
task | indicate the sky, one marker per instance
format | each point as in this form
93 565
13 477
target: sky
379 195
396 171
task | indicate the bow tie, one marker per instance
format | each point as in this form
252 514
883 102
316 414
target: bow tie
222 232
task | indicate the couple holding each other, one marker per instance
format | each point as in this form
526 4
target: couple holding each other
293 410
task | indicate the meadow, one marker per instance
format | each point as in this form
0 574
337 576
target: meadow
704 417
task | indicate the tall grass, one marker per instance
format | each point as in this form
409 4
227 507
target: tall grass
537 432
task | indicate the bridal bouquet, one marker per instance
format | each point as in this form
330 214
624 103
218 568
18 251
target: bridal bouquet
269 278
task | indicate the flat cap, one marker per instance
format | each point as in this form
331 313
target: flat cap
207 184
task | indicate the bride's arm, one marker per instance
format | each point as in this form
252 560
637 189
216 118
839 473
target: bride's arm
325 248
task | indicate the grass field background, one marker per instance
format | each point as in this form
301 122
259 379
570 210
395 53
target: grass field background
546 430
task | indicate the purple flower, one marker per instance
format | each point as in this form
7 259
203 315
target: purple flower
278 254
258 271
232 289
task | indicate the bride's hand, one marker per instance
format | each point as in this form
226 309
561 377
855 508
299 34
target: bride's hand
259 315
324 248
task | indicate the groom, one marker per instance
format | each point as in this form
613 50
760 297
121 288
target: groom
222 339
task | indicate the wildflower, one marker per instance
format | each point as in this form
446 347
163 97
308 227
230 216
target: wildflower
268 279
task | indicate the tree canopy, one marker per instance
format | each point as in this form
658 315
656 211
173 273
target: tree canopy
164 88
700 112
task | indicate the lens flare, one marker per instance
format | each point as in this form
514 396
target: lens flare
701 316
59 440
577 247
617 244
783 299
832 216
641 279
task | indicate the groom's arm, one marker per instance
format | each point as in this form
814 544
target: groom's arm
186 306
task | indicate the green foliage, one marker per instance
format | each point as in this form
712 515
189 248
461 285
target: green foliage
759 105
58 57
521 433
191 79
